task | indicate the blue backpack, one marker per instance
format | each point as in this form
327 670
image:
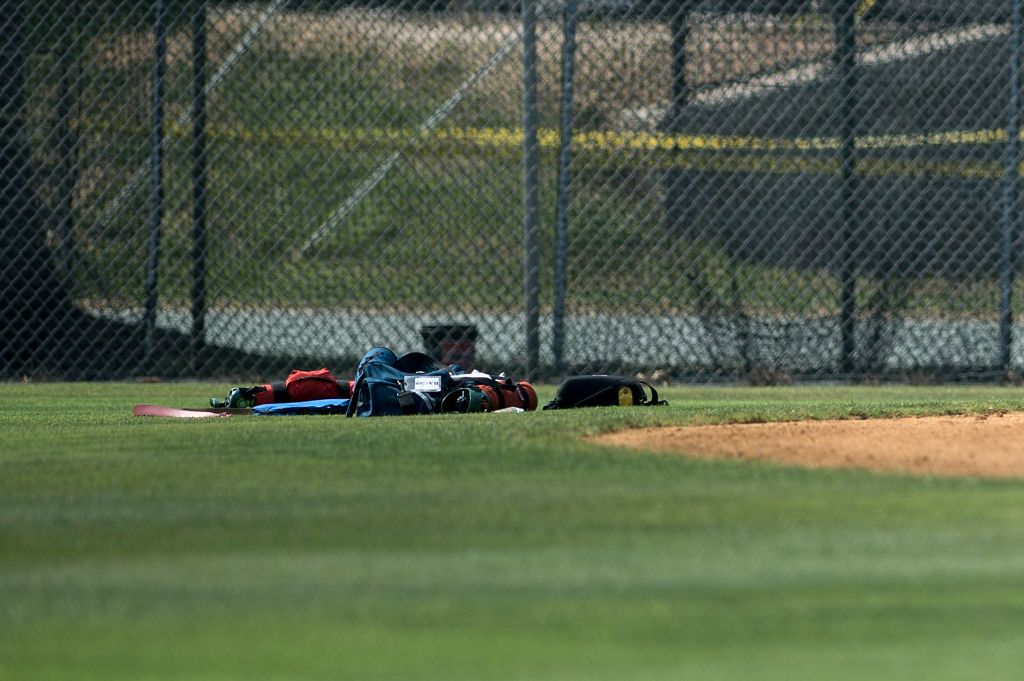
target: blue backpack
388 385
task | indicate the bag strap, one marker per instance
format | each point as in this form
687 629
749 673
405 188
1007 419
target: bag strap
377 355
280 392
353 401
655 402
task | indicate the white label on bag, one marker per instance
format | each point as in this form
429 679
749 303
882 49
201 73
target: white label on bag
426 384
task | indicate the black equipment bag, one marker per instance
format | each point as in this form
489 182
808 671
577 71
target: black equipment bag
603 391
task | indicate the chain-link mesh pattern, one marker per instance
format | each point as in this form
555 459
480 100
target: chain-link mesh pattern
749 188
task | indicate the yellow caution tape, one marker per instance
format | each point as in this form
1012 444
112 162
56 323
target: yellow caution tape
864 7
610 142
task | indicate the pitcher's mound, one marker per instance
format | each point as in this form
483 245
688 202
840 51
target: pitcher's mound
976 445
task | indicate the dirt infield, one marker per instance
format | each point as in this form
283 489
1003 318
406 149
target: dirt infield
989 445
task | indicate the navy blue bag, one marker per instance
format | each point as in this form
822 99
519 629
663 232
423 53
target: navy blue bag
387 385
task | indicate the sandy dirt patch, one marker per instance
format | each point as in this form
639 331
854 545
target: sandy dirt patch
990 446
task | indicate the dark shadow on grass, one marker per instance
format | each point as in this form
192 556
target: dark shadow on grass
85 348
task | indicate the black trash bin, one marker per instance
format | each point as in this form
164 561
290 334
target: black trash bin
451 343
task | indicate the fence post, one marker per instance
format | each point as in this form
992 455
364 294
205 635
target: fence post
531 185
228 63
844 16
156 189
198 333
197 338
676 193
67 140
564 160
1010 190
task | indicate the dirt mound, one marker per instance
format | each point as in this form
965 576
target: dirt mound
989 445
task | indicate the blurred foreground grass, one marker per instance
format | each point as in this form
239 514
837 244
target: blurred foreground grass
488 547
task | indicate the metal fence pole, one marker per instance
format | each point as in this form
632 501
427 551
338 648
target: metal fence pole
677 211
531 188
67 142
240 50
564 160
156 188
1010 190
198 182
845 58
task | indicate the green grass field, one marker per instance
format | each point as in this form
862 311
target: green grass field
470 547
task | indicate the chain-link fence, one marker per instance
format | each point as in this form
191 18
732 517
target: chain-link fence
691 188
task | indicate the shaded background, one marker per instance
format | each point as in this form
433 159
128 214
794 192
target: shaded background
765 190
